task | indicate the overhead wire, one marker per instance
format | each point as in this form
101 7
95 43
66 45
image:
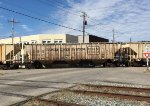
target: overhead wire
60 3
51 2
33 12
39 19
60 8
91 20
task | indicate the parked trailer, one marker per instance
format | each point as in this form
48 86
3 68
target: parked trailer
91 54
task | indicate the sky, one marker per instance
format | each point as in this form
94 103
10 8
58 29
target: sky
128 18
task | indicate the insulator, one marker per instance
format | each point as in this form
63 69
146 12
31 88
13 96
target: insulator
85 23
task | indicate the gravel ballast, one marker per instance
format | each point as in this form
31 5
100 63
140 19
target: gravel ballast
106 89
71 97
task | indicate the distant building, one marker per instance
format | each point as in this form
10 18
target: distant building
143 41
42 39
91 38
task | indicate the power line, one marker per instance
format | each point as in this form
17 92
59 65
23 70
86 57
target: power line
50 3
10 10
33 12
60 3
63 9
60 8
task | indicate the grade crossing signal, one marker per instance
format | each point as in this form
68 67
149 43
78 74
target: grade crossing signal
147 54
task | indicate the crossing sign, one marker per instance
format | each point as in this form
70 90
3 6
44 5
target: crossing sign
147 55
146 52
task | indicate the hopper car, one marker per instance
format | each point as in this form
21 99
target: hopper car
7 54
73 55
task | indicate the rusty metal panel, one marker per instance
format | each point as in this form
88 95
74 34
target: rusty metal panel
53 52
1 52
93 51
8 52
103 51
73 52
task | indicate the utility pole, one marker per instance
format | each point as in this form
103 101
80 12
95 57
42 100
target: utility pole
130 40
13 32
113 41
113 35
130 51
84 23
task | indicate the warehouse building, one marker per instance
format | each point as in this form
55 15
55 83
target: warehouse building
91 38
42 39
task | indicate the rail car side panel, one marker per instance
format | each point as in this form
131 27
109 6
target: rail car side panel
97 52
70 52
1 53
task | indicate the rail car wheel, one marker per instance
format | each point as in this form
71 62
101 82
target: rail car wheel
127 64
116 63
37 65
107 64
4 67
86 64
29 66
14 66
60 64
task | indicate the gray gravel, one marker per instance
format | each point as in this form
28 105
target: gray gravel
38 103
122 84
81 99
108 90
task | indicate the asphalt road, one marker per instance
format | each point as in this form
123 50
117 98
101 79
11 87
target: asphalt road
20 85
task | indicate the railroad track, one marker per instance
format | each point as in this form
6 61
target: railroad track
43 102
113 95
130 93
115 89
114 92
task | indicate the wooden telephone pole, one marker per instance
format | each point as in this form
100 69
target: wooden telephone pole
113 41
13 32
84 23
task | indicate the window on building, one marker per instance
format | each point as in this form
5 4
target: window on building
55 41
33 41
46 41
69 41
58 41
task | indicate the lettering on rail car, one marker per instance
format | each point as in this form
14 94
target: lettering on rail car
66 49
93 50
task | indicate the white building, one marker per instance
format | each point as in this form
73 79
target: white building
42 39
